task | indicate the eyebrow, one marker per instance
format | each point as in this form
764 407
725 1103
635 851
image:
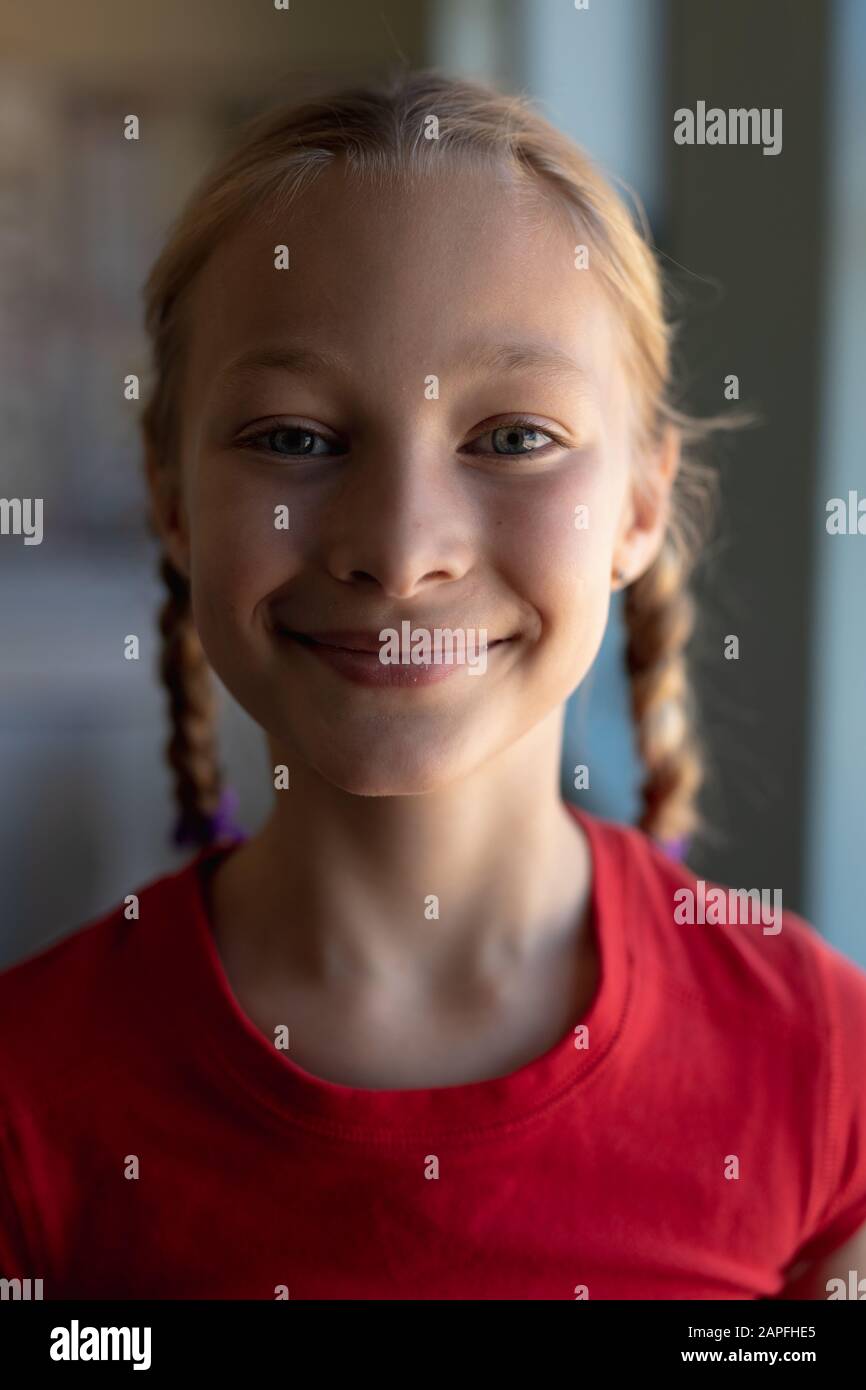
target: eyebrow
301 361
532 358
535 359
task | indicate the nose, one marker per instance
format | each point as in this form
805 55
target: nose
401 519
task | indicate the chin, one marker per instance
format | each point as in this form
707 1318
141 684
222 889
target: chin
386 767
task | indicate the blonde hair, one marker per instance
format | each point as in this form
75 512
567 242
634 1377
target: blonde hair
380 133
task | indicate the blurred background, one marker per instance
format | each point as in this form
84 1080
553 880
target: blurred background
768 259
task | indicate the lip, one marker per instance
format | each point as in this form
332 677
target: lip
346 639
358 660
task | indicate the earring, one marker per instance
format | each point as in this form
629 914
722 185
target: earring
619 577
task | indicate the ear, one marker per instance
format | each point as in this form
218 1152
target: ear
167 512
647 507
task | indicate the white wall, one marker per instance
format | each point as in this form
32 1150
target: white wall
836 884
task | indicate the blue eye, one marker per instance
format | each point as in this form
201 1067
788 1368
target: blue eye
292 441
518 439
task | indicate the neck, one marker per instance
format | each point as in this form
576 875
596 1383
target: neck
473 878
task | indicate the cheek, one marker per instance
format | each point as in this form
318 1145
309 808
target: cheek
560 550
241 548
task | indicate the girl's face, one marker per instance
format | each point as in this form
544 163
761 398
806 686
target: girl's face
431 396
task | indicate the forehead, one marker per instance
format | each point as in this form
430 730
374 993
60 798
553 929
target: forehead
400 276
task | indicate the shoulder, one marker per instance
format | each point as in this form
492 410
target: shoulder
61 1007
767 1008
731 947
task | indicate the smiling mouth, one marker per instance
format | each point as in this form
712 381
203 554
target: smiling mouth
358 658
361 646
306 641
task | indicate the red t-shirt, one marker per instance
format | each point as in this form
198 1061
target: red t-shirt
607 1167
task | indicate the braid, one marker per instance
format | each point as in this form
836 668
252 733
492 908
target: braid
192 747
659 617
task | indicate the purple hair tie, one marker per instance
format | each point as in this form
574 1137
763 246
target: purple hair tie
203 831
678 848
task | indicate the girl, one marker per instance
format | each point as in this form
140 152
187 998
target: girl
431 1033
